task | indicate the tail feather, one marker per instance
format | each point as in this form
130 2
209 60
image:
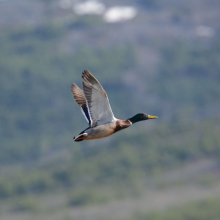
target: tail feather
80 137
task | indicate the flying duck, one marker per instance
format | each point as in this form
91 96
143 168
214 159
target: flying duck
94 103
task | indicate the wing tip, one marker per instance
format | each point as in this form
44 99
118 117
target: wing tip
86 74
73 86
88 77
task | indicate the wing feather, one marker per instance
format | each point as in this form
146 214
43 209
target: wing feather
97 100
81 101
78 95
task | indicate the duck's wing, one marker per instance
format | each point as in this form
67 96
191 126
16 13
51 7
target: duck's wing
97 100
81 101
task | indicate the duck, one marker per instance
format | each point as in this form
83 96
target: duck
95 106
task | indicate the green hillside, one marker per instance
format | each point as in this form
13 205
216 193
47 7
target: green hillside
38 115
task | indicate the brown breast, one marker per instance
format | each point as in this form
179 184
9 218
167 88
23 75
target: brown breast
122 124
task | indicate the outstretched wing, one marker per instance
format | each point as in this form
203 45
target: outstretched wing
81 101
97 100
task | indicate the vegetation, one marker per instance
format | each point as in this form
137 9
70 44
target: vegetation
203 210
39 117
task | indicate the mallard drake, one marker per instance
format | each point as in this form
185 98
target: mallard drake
94 103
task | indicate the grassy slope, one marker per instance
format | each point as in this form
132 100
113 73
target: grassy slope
38 115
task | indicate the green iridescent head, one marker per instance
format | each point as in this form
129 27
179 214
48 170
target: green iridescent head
141 117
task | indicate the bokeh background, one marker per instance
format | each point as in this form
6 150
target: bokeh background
153 56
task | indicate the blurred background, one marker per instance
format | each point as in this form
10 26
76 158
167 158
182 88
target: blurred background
153 56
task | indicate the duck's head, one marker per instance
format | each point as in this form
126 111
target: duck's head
141 117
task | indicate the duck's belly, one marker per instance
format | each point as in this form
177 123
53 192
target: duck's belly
100 131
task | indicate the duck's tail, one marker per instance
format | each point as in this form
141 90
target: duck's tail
80 137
